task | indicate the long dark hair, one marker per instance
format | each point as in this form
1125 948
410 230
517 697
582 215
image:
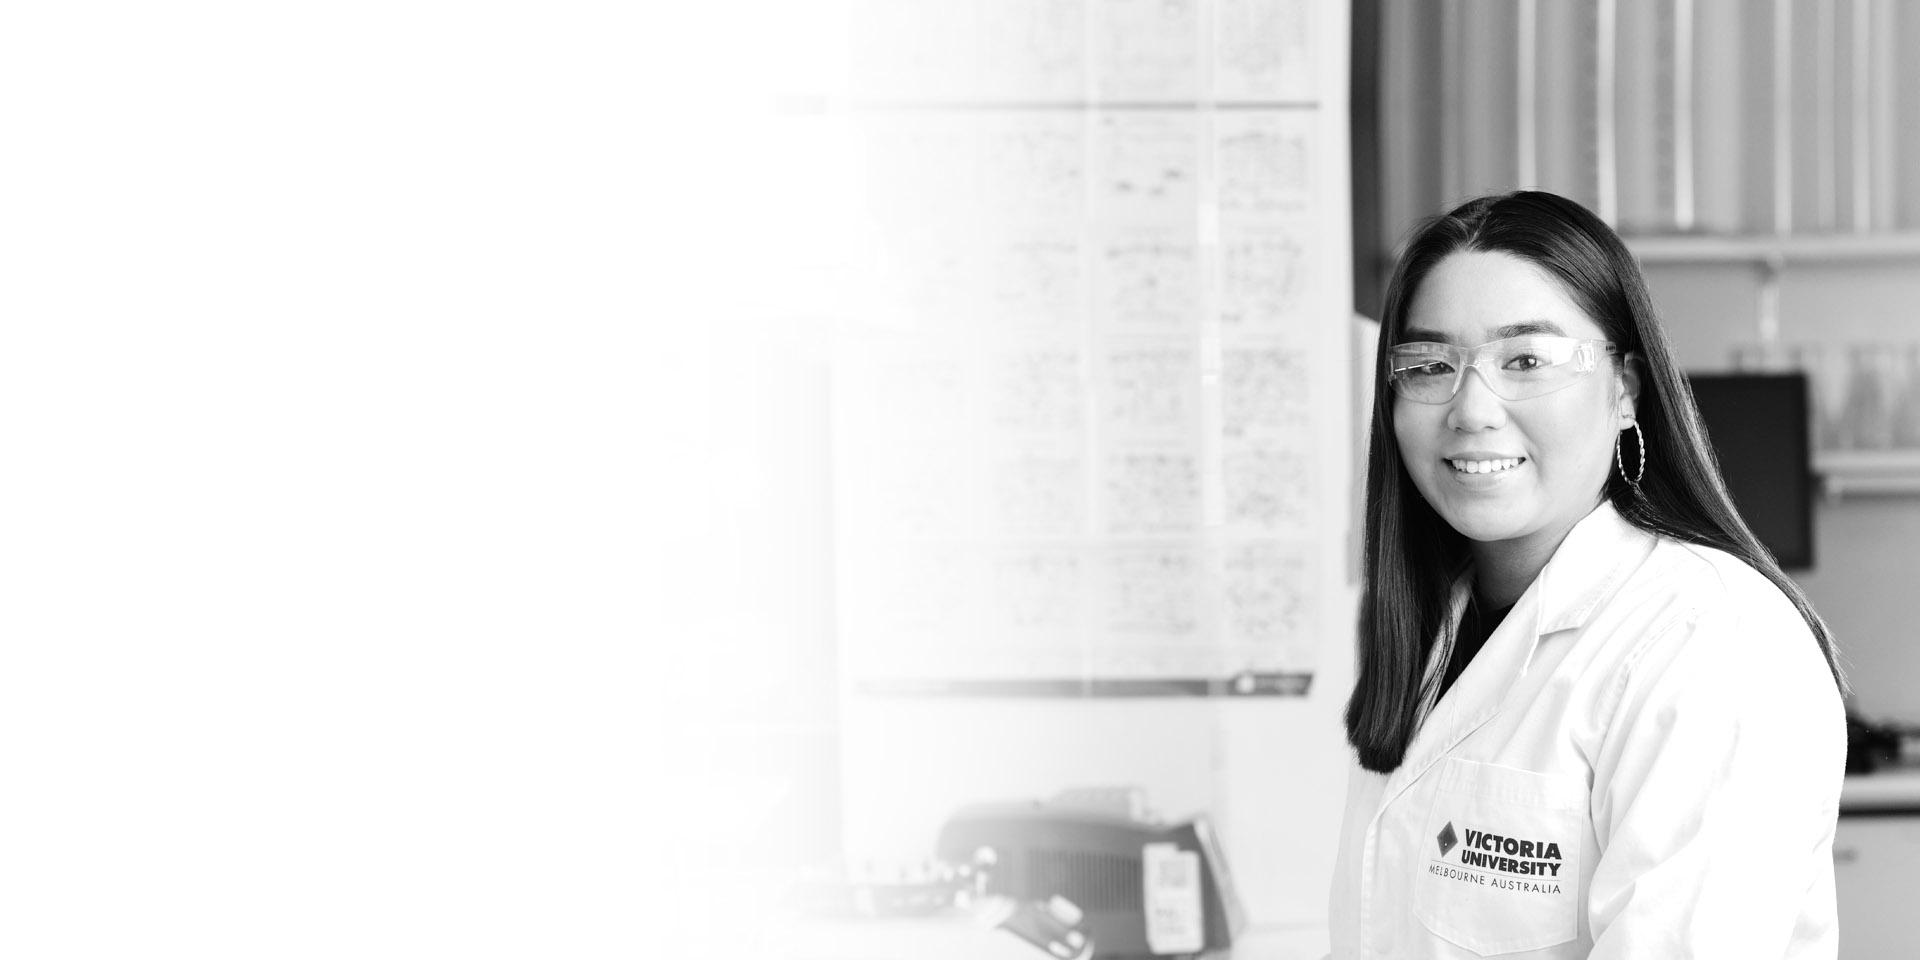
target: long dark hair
1413 556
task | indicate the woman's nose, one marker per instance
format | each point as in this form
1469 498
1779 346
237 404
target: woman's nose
1475 406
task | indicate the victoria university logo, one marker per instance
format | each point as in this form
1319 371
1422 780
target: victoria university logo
1447 839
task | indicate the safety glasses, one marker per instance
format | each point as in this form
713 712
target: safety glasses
1517 368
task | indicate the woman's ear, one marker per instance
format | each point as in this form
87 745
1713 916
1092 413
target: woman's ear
1631 367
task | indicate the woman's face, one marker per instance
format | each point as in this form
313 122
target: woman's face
1514 473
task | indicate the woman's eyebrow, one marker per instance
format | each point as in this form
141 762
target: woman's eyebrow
1521 329
1526 327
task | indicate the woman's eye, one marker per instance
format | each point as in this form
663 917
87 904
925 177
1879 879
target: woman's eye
1525 361
1432 368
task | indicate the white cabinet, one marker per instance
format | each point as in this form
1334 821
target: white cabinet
1876 862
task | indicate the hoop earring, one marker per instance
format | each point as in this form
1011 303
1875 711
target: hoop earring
1633 481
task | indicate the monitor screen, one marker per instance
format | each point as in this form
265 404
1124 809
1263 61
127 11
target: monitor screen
1758 425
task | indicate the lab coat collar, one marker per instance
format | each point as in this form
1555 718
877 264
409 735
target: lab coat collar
1587 568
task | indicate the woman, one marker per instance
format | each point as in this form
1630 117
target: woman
1592 718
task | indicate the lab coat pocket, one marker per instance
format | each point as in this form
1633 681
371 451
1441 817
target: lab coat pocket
1502 870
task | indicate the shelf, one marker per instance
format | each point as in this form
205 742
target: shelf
1868 472
1897 788
1867 461
1763 249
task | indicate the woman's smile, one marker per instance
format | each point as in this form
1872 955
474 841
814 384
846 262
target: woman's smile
1484 465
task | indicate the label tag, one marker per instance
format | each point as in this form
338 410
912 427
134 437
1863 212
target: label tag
1175 921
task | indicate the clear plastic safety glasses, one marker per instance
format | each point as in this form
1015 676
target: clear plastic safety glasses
1517 368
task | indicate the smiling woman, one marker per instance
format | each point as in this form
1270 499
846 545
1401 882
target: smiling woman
1568 634
1511 461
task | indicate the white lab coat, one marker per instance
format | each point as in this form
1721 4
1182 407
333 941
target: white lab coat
1643 761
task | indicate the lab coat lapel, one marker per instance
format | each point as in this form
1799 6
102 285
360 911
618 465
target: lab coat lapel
1478 692
1591 563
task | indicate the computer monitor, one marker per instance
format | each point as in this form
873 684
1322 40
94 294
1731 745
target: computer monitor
1758 424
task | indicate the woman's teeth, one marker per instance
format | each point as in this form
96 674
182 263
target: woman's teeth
1486 466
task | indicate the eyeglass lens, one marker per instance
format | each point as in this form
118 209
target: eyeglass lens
1517 368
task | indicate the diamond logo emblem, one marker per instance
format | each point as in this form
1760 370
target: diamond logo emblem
1448 839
